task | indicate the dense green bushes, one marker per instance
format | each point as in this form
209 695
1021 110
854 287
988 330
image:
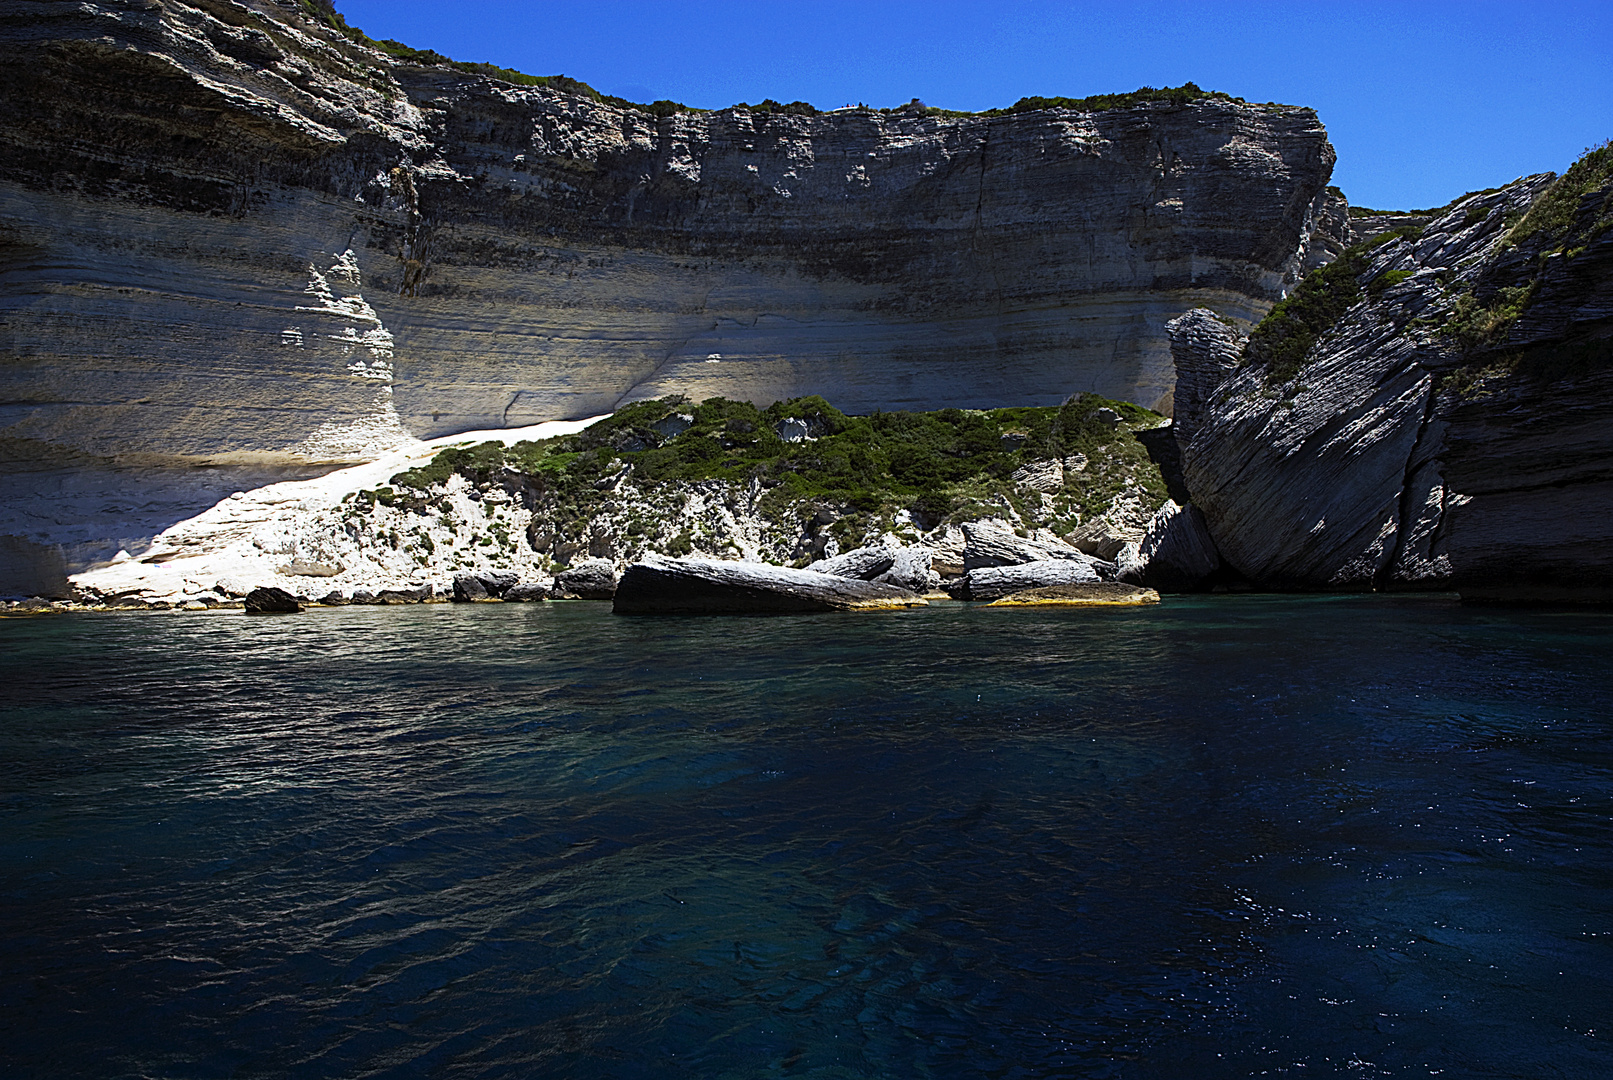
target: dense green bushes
1177 95
931 463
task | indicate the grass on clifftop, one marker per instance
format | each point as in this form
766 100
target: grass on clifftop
952 464
1552 216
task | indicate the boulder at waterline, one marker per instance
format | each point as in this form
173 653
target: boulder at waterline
911 570
711 587
483 585
591 580
415 594
469 589
523 592
271 601
996 582
1095 594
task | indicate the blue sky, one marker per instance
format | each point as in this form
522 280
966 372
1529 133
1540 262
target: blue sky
1422 100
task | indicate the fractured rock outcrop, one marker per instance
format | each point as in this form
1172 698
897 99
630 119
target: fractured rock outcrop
989 545
1176 554
1448 431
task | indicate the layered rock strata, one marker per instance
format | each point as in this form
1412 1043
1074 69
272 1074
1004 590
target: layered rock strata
231 238
1447 432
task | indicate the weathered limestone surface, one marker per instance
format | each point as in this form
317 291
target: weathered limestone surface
660 586
996 582
1398 459
988 545
232 239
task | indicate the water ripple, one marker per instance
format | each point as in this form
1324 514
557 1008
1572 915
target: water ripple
1224 837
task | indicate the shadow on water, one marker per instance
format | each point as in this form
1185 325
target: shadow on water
1227 836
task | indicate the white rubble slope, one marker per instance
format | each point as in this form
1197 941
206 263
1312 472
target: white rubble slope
289 534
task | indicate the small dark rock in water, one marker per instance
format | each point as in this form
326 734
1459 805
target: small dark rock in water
270 601
593 580
334 598
363 596
660 586
527 591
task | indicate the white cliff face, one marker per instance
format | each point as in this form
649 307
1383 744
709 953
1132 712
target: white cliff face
232 240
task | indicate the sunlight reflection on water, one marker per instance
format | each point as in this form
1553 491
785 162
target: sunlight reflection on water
1214 838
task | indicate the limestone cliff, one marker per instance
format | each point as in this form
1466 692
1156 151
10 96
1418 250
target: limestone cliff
1447 430
230 237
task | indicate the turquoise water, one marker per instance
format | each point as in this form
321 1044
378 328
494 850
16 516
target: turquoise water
1230 836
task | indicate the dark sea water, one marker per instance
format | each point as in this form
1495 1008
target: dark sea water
1228 837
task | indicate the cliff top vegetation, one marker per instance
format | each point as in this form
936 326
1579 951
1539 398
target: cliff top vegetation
325 12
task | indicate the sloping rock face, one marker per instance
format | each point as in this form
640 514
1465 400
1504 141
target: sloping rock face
1424 441
1176 554
232 238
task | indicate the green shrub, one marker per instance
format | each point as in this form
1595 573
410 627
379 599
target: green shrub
1429 212
1282 339
1179 95
1472 324
1385 280
768 105
1552 214
939 465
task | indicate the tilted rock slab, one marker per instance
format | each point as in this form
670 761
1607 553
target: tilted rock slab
1100 594
996 582
711 587
271 601
864 563
990 545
